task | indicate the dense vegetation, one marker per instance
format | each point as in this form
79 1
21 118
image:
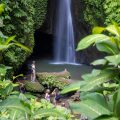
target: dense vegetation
17 20
21 18
15 105
39 17
100 90
101 12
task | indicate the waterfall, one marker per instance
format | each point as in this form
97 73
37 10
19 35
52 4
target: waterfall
64 47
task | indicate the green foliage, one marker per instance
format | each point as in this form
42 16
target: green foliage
90 108
93 12
90 40
109 45
72 87
6 88
100 12
33 86
21 18
112 11
59 79
105 81
22 107
5 72
18 20
8 42
1 8
14 105
97 80
40 12
53 81
47 111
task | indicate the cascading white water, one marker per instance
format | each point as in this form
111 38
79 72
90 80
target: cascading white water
64 50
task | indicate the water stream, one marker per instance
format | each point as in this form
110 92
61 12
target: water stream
64 50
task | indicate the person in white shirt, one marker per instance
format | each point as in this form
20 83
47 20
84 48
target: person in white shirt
33 74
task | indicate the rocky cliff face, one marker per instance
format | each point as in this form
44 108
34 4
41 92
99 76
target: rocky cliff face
77 8
81 28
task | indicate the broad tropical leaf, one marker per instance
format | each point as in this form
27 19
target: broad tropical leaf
112 29
115 59
95 81
3 70
90 108
94 96
117 104
73 87
91 39
7 90
24 98
108 47
4 47
9 39
42 113
99 62
17 115
98 30
106 117
100 89
6 42
14 103
117 28
87 76
23 47
91 75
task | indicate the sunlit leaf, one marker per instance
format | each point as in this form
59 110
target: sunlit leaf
115 59
4 47
108 47
14 103
9 39
89 76
91 39
72 87
95 81
99 62
23 47
2 6
90 108
98 30
48 112
112 29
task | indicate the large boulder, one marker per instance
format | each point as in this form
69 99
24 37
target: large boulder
54 79
33 86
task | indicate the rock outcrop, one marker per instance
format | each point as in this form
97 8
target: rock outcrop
54 79
33 86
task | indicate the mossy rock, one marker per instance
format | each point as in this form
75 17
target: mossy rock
54 79
64 74
33 86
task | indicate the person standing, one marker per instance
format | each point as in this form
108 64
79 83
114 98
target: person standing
33 73
47 95
57 96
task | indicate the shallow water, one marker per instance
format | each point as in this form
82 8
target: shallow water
76 70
